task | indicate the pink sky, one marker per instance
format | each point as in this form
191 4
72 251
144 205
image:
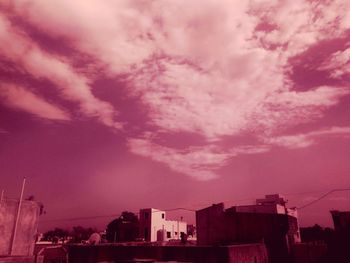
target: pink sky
108 106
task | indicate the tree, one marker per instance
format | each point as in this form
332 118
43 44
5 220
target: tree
80 233
55 235
123 229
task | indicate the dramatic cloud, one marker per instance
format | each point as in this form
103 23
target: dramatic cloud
22 99
215 69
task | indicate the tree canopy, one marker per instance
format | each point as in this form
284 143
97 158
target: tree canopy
123 229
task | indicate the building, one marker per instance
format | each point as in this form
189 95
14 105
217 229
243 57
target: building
271 204
18 228
341 220
268 221
339 247
155 227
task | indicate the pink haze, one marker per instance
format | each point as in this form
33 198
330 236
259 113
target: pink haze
108 106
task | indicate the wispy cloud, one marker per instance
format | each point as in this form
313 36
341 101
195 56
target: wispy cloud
19 48
338 63
22 99
307 139
200 163
3 131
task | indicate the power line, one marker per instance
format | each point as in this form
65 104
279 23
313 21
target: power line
79 218
323 196
112 215
192 210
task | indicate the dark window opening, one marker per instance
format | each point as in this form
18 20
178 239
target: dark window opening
146 232
163 215
168 234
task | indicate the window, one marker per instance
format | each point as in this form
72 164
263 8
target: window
163 215
168 234
175 233
146 215
146 233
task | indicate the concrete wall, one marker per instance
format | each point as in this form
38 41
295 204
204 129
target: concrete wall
26 229
17 259
252 253
175 228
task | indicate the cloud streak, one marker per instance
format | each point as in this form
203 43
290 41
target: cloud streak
200 163
19 48
307 139
21 98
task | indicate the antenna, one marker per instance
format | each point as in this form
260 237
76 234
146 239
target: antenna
17 217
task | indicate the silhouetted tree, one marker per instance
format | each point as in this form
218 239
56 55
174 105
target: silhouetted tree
80 233
314 233
55 235
125 228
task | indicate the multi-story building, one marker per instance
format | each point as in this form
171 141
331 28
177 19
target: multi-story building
155 227
268 221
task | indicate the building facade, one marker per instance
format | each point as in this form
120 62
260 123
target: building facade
268 221
20 242
155 227
341 220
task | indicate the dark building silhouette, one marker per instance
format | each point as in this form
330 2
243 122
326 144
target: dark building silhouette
341 220
254 224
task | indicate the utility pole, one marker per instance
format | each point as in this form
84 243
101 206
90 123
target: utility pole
17 218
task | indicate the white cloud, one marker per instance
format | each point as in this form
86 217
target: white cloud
196 67
306 139
17 47
200 163
338 64
22 99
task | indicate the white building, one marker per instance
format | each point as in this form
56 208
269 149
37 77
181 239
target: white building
155 227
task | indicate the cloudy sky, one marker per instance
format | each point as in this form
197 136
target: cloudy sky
108 106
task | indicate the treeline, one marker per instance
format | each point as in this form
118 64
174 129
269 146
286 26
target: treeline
76 235
122 229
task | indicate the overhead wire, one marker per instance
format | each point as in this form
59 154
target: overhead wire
323 196
193 210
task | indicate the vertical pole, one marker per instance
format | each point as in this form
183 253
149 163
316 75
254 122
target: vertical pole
178 234
17 218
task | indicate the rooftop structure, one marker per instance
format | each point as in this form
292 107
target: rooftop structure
271 204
